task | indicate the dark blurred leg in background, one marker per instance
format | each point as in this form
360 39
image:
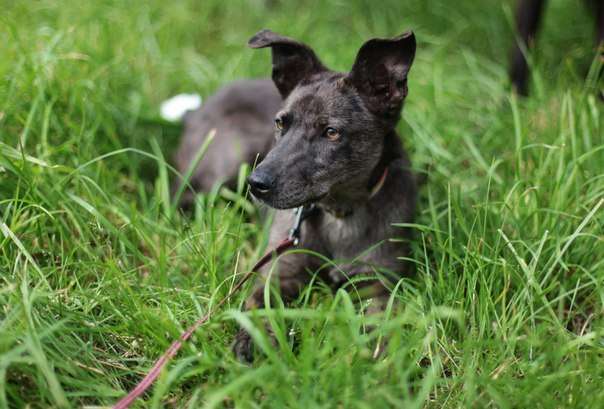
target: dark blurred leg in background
528 16
599 13
598 10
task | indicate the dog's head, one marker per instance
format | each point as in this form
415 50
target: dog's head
332 126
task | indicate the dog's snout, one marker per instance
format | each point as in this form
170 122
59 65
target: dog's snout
260 182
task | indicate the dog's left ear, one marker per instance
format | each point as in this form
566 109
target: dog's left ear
292 61
380 72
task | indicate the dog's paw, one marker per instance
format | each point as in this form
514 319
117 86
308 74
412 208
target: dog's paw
243 347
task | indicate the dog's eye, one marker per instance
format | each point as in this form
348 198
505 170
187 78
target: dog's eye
332 134
279 123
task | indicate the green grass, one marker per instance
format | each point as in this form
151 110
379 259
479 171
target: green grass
98 273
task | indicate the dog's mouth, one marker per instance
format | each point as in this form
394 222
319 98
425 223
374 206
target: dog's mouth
272 200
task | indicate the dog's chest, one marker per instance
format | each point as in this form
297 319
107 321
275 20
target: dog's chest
347 237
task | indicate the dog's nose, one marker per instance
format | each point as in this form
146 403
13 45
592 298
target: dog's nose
260 182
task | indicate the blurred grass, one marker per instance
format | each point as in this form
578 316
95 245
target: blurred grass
98 275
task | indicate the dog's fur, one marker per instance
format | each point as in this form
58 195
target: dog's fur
336 169
242 115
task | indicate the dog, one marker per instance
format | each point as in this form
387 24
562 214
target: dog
528 18
335 146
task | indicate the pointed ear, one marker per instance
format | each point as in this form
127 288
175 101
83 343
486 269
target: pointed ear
380 72
293 61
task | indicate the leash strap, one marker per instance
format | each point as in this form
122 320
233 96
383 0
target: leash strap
301 213
155 371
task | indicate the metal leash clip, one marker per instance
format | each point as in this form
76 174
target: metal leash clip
301 213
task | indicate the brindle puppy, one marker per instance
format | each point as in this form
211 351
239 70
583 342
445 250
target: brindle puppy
336 146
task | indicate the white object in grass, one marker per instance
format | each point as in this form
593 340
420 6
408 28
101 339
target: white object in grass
174 109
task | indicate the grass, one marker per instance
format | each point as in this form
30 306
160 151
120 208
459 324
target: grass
99 273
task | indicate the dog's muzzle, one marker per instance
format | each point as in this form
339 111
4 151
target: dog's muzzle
261 183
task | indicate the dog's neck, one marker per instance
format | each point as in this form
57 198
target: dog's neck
342 203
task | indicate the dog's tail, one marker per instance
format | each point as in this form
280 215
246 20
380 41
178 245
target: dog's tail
175 108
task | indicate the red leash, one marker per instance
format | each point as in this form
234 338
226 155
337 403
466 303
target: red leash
154 372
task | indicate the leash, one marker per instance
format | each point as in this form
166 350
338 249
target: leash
301 213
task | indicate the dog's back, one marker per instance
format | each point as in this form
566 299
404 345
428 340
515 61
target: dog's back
242 114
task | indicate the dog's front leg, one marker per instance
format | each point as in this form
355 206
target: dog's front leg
379 297
369 289
292 276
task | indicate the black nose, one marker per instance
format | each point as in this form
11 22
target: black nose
260 182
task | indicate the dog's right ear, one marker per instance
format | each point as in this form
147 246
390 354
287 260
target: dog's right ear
292 60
